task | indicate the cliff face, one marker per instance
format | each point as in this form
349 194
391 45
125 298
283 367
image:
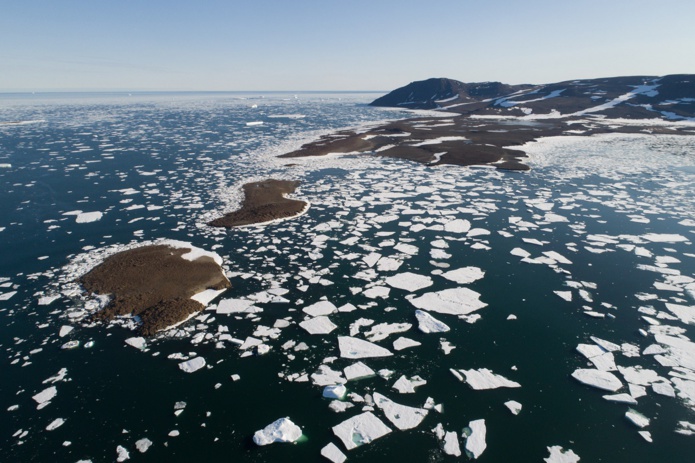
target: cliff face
636 97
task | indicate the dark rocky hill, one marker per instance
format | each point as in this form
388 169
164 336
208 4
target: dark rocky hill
634 97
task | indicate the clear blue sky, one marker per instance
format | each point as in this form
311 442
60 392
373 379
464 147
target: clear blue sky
335 45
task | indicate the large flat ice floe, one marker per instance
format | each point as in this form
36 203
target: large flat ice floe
454 301
409 281
354 348
282 430
483 378
402 416
318 325
465 275
360 429
597 378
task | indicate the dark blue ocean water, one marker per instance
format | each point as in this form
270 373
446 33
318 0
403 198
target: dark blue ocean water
619 208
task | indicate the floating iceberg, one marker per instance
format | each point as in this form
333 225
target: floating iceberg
282 430
560 455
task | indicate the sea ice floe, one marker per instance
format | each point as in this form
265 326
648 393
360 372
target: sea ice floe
640 376
354 348
360 429
560 455
637 418
143 444
454 301
598 379
598 356
402 416
428 324
229 306
409 281
475 438
44 397
192 365
513 406
404 343
383 330
566 295
137 342
621 398
450 444
406 385
325 376
86 217
65 330
457 226
122 454
334 391
318 325
482 378
333 453
282 430
358 371
465 275
320 308
55 424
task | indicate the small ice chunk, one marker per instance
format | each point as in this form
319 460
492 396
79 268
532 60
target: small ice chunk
122 454
358 371
318 325
65 330
137 342
46 395
86 217
282 430
360 429
333 453
483 378
450 444
407 386
192 365
566 295
320 308
143 444
597 378
513 406
402 416
404 343
621 398
55 424
475 440
325 376
637 418
428 324
560 455
354 348
334 392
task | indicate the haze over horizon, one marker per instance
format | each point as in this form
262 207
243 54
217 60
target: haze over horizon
312 45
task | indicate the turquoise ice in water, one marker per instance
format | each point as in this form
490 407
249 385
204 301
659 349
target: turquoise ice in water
590 252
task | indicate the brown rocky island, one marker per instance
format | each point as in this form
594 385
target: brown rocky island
155 283
264 202
487 123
